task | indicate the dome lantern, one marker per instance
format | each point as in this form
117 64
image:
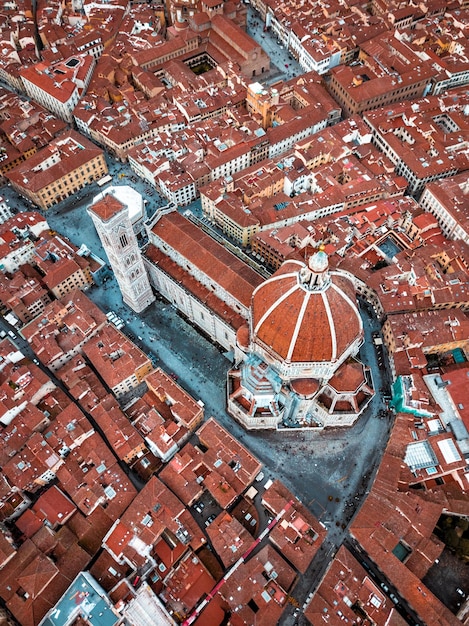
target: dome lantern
315 277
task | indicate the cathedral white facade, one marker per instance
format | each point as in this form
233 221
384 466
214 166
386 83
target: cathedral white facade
210 286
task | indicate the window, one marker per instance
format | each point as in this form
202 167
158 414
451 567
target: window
123 240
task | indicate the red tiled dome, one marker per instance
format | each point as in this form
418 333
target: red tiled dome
242 336
305 314
305 387
348 378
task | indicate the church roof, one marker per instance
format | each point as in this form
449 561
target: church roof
304 313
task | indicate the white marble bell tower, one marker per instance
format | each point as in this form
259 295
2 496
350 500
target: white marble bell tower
114 227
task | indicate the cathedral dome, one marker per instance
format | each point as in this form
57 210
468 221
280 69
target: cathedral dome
306 314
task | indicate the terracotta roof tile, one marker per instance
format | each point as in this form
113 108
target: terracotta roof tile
347 593
298 535
210 257
107 207
392 514
253 594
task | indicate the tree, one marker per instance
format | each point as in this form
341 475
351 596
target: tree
463 549
452 538
463 524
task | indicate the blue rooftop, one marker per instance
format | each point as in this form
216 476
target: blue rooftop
86 598
389 247
281 205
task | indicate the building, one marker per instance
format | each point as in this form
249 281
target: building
166 415
53 508
306 96
257 592
298 535
229 538
447 200
34 465
231 41
155 515
275 245
181 597
23 294
219 465
347 592
335 170
424 139
82 598
387 72
113 221
26 128
411 337
90 393
63 329
395 525
18 240
40 570
93 479
5 211
434 278
295 362
121 365
124 439
59 170
59 85
63 269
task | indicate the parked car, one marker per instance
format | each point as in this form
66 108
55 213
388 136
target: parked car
210 519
